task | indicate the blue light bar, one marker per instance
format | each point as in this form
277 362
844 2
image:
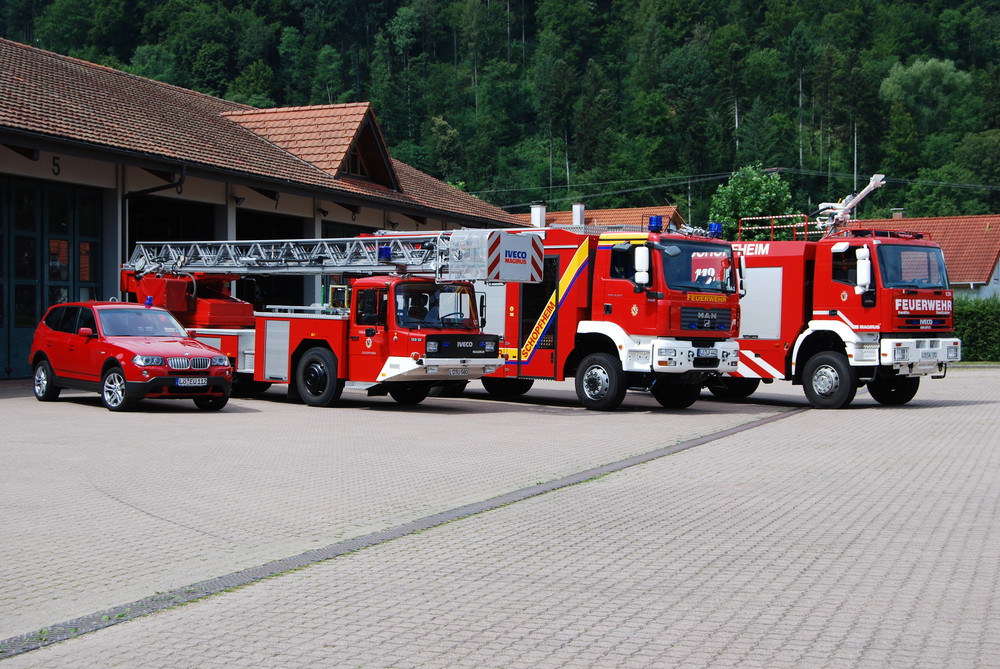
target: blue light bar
656 224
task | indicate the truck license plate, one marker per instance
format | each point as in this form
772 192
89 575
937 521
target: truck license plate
708 353
928 355
462 371
197 381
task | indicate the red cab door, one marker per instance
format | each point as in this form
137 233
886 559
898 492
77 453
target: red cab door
368 339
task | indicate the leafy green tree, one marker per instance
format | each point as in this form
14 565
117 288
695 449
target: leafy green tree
153 62
210 68
254 87
328 82
750 192
64 26
927 89
933 194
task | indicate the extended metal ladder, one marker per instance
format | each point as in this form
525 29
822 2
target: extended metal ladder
447 255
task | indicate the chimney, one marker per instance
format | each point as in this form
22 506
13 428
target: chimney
578 214
538 214
899 213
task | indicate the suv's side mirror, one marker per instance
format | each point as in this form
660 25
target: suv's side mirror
85 332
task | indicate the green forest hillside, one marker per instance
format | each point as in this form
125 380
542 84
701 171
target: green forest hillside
607 102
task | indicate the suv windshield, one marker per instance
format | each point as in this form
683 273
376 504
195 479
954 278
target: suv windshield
421 305
911 266
697 266
139 322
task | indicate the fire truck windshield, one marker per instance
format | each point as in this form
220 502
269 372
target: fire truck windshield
432 305
697 266
903 266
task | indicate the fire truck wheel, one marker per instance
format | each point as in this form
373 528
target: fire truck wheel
211 403
114 393
409 395
316 378
675 395
895 390
600 382
829 382
731 388
506 387
45 388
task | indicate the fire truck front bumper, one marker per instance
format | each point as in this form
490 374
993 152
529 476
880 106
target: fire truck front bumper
437 369
919 356
679 357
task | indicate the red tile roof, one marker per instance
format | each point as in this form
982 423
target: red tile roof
43 93
608 217
971 244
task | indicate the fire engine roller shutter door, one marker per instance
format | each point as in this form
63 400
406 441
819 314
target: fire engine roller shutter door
276 335
760 308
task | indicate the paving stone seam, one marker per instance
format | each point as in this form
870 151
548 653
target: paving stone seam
93 622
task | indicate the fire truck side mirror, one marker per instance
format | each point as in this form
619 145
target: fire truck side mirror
482 310
864 270
642 265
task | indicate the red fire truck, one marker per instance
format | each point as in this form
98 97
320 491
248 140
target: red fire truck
857 306
401 315
651 310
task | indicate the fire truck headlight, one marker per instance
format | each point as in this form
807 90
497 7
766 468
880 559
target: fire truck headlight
953 353
900 353
666 352
148 360
220 361
490 346
432 347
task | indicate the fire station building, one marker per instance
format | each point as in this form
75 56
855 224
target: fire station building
93 160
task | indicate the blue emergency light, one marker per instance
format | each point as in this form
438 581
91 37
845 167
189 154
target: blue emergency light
385 254
715 229
656 224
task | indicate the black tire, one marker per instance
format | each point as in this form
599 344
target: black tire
829 381
114 391
600 382
732 388
506 387
316 379
675 395
409 394
211 402
894 391
45 386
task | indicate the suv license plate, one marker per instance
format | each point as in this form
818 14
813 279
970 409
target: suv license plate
197 381
462 371
708 353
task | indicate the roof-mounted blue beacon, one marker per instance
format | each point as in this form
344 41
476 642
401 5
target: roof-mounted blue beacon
656 224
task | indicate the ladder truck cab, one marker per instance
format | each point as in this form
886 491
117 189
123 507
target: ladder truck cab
856 306
645 310
400 314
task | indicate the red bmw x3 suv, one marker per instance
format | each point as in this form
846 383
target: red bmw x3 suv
125 352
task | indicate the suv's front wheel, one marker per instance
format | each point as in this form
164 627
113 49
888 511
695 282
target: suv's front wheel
114 391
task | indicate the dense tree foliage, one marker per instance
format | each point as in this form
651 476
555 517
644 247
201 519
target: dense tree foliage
608 102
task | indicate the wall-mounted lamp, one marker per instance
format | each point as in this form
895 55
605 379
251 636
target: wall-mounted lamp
238 200
323 212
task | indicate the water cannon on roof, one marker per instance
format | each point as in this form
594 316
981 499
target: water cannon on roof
833 215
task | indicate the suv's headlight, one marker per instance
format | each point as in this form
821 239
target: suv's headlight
148 361
220 361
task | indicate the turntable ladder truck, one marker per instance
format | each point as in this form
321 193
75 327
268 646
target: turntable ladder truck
400 315
855 307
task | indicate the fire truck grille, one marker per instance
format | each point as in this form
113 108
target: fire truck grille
695 318
188 363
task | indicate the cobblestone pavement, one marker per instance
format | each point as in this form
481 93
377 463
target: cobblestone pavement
867 537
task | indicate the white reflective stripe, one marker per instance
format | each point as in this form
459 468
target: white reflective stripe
754 367
839 317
